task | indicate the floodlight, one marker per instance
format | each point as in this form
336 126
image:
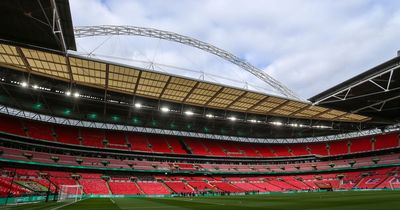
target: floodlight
209 115
138 105
164 109
189 113
232 118
277 123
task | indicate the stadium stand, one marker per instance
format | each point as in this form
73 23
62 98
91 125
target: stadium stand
171 145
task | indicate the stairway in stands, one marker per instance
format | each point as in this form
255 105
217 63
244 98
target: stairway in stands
184 146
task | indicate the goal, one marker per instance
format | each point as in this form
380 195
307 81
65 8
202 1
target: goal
70 193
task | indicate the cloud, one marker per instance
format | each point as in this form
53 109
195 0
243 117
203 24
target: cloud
308 45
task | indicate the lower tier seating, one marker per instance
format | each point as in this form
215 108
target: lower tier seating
153 188
28 181
124 187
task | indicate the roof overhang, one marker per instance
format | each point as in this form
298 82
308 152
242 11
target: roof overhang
167 87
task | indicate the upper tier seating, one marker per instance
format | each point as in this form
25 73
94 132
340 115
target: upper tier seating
38 130
214 147
139 142
11 125
173 145
92 138
338 147
116 140
318 148
264 150
280 150
68 135
299 149
387 141
361 145
158 144
197 147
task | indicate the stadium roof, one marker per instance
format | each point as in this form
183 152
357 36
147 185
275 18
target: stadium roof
43 23
166 87
374 93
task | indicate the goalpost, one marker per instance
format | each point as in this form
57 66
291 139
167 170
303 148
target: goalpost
72 193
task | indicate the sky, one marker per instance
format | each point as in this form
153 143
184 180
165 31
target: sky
308 45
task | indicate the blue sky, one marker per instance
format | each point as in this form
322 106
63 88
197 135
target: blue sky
308 45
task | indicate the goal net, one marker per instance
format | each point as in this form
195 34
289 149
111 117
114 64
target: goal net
71 193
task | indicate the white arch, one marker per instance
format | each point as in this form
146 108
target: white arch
104 30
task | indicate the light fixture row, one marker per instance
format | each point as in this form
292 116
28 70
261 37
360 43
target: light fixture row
165 109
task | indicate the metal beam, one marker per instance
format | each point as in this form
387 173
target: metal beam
134 92
106 30
165 87
348 88
382 103
56 25
106 89
71 77
26 63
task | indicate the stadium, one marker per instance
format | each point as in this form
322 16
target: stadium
80 132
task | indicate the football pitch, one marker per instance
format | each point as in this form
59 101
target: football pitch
384 200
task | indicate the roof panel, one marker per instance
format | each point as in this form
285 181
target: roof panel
89 72
47 63
9 56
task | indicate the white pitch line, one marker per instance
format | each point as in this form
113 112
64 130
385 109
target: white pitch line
197 201
58 207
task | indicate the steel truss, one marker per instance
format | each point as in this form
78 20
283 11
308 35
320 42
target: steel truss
343 94
88 31
56 25
108 126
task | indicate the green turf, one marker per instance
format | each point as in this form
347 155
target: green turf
385 200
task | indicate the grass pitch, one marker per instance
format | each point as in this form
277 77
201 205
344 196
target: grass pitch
384 200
